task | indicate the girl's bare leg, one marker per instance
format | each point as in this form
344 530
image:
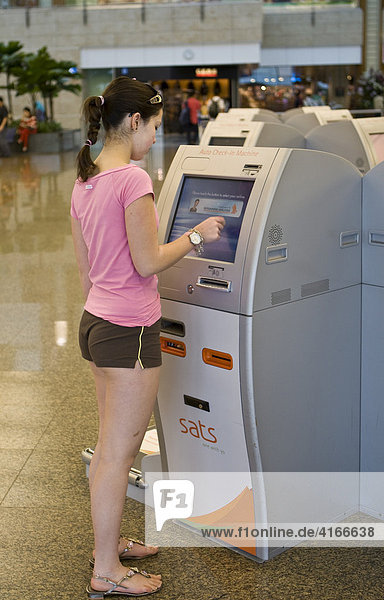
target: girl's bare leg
99 377
127 398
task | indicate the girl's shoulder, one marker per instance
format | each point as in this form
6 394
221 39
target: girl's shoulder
121 180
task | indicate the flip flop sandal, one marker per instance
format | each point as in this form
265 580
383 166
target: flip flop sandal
97 595
128 549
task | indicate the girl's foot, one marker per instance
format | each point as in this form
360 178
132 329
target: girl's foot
129 548
132 548
126 581
25 148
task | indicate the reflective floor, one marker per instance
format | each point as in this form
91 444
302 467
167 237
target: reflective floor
48 415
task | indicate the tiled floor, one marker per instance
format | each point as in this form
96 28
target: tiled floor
47 417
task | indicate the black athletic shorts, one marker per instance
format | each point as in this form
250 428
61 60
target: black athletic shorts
110 345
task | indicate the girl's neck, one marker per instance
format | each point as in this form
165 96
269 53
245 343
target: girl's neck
113 156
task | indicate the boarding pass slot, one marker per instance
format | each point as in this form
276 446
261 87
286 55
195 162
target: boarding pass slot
217 358
275 254
349 238
221 285
376 238
174 347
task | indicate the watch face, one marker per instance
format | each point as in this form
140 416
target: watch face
195 237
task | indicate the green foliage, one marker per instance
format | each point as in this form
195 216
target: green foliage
42 126
14 123
38 73
10 60
48 126
370 84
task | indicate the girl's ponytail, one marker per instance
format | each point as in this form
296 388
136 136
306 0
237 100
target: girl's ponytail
92 111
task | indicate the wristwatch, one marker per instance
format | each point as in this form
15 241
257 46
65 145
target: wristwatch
197 240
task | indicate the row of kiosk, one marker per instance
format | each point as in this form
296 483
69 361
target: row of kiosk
272 339
361 141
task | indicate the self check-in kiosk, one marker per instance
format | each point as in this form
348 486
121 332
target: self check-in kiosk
275 135
307 121
291 112
359 140
372 405
247 115
251 111
261 334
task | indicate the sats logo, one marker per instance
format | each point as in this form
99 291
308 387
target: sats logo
198 430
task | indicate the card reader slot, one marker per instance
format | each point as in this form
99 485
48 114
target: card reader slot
172 327
217 358
174 347
211 283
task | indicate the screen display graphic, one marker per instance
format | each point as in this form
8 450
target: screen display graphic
217 140
377 140
203 197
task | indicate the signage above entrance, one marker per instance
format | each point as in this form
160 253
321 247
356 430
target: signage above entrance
206 72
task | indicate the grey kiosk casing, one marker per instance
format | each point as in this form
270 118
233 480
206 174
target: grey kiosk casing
307 121
246 115
267 135
261 362
372 385
292 112
360 141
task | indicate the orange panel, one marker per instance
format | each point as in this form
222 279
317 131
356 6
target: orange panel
217 359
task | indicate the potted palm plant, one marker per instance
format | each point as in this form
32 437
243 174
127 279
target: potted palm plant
39 73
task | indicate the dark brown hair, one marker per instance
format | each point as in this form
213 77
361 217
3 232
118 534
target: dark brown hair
123 96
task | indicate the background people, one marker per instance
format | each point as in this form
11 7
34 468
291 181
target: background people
27 127
4 147
40 111
216 105
192 128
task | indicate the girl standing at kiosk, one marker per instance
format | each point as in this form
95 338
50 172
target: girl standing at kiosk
114 229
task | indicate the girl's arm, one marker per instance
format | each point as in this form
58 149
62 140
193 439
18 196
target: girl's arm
81 253
148 256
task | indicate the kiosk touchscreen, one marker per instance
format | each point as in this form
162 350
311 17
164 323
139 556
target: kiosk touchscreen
291 112
372 131
275 135
307 121
360 141
261 333
247 115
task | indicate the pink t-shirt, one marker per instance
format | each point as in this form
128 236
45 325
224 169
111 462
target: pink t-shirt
118 293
